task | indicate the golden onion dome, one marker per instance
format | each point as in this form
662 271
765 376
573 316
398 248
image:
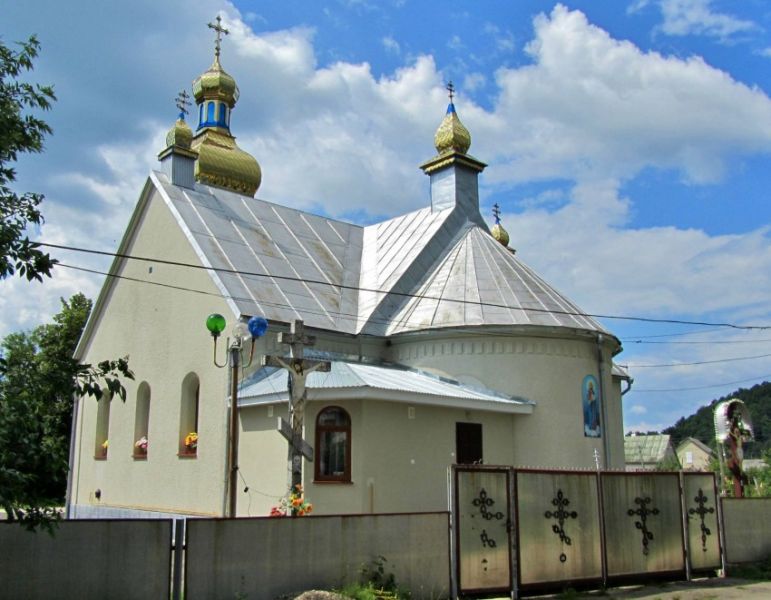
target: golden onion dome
452 135
215 84
222 163
180 135
500 234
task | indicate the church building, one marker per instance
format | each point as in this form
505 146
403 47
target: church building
438 345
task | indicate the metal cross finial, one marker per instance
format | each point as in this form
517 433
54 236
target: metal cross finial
220 30
182 103
497 213
451 89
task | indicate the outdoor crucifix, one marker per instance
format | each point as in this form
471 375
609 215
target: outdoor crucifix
299 368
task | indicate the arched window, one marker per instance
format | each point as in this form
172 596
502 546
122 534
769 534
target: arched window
188 415
142 421
333 445
101 441
222 121
210 113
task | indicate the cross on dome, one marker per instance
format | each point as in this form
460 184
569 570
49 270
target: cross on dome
451 90
220 30
182 102
497 213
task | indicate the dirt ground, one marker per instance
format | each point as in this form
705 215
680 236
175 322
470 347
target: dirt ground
699 589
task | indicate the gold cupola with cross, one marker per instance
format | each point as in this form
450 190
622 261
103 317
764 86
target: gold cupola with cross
220 162
453 172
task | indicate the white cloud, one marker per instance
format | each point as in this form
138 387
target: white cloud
591 106
638 409
696 17
391 45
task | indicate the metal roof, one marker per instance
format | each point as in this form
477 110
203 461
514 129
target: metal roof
649 449
379 382
427 269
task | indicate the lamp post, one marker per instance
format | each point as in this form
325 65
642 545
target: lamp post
255 328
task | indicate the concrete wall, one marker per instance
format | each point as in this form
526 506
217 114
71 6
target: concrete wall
747 525
86 559
269 557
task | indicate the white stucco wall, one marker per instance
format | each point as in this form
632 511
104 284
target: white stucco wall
544 368
163 332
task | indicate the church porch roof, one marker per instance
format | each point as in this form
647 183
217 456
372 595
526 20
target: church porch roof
348 380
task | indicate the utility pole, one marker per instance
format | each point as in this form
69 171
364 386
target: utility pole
299 368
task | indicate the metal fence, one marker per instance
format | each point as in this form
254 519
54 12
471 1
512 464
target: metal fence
531 530
511 530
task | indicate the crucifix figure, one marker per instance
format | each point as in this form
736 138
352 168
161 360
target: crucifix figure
299 368
220 30
183 102
451 90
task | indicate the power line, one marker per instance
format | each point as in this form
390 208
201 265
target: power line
404 294
702 362
700 387
186 289
708 342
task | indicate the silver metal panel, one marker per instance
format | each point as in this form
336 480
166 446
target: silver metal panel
355 375
643 523
558 527
423 270
702 518
483 537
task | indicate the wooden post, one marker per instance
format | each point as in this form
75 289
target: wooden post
299 368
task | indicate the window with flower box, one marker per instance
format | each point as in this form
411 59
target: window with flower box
188 416
142 421
101 441
333 445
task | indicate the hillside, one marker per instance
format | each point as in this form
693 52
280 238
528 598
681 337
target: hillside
700 424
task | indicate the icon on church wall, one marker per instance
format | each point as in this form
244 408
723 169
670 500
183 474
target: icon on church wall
590 393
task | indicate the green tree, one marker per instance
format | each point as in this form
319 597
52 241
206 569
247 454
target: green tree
38 380
20 132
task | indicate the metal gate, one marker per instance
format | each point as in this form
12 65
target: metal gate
525 530
483 526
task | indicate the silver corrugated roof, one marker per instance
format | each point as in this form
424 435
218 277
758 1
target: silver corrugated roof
380 382
645 448
427 269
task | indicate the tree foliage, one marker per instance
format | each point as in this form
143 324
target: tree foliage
38 380
700 425
20 132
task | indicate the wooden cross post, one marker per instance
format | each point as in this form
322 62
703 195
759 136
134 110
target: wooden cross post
299 368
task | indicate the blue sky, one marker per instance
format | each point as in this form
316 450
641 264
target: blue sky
628 143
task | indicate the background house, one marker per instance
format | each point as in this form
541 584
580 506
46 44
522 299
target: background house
694 455
649 452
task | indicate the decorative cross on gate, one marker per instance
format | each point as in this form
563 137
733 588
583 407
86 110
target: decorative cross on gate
561 514
643 513
702 511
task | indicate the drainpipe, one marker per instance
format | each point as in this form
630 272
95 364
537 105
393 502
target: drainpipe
629 383
603 400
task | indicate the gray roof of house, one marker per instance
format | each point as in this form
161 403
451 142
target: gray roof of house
647 449
424 270
382 382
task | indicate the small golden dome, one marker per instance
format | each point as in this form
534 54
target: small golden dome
451 134
180 135
215 84
500 234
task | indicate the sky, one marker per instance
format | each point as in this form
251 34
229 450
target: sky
628 144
